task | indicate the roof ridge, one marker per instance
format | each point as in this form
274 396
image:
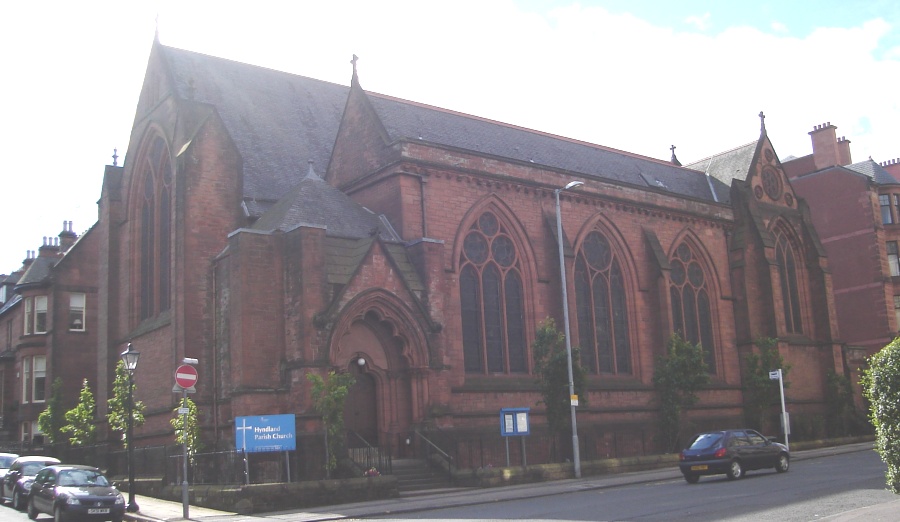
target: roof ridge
517 127
724 152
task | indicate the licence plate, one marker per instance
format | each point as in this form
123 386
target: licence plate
98 511
701 467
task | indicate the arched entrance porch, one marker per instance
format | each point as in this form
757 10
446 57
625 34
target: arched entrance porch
383 348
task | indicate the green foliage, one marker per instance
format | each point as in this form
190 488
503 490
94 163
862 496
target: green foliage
881 386
761 392
187 428
117 405
53 418
328 396
81 425
552 369
678 375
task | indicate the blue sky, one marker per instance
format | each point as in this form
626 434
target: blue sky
637 76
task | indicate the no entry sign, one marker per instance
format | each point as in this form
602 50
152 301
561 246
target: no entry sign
186 376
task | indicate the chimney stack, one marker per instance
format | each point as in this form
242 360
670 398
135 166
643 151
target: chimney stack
825 146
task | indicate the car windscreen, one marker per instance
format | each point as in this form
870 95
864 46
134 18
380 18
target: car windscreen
6 462
706 441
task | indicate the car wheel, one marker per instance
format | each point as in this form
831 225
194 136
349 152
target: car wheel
17 500
735 470
32 511
691 478
784 462
58 514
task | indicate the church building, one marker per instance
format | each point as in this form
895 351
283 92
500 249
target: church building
272 225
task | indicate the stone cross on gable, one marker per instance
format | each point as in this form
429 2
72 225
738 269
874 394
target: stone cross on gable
762 122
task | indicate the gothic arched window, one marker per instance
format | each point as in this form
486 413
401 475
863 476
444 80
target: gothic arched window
492 299
155 227
790 294
602 311
691 313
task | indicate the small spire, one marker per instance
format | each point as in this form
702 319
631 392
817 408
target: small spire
762 122
353 61
674 160
115 157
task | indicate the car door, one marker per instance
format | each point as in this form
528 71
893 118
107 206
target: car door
42 490
9 481
766 452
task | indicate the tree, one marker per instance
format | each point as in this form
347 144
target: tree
117 405
678 375
81 424
328 396
187 428
552 369
881 387
761 392
53 418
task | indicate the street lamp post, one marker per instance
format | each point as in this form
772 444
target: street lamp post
576 456
130 358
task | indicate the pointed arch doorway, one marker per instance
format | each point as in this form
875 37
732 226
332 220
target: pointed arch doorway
379 409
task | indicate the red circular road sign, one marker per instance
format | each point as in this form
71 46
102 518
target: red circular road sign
186 376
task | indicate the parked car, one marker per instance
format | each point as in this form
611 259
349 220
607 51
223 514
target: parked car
15 485
75 492
6 460
732 452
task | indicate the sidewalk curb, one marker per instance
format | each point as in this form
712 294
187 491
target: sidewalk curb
478 496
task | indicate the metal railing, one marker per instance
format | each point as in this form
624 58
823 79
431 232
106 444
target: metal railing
432 449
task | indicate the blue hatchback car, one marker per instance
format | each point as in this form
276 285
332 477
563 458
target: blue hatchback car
733 453
71 492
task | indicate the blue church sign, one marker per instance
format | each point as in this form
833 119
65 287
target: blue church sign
265 433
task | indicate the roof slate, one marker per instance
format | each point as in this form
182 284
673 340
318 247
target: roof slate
314 202
279 121
874 171
38 271
727 166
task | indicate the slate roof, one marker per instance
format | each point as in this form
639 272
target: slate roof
314 202
874 171
280 121
38 271
726 167
408 120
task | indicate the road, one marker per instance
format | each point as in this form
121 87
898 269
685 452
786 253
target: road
811 490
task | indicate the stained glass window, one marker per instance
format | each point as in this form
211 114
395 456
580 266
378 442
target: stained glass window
691 309
602 311
787 273
155 229
492 300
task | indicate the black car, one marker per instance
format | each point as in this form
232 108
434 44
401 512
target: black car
75 492
732 452
17 482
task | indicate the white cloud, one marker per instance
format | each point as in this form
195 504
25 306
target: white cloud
576 71
701 22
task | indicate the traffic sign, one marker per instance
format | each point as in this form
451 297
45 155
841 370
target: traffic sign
186 376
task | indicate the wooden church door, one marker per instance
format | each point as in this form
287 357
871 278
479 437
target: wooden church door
360 411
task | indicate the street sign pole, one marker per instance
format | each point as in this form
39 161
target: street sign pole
185 379
785 420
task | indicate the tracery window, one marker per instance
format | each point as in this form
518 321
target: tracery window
787 273
691 312
602 312
155 229
492 299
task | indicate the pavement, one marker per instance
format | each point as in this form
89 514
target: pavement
157 510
